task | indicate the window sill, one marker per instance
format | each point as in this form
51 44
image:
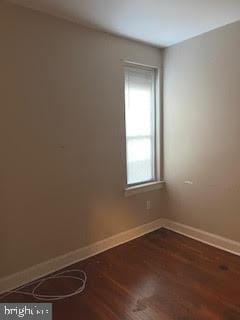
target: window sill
144 188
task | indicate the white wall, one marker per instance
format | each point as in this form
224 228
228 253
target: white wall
202 130
62 162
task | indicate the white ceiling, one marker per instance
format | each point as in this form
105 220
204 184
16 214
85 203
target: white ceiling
159 22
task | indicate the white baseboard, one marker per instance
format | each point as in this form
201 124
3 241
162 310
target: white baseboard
203 236
18 279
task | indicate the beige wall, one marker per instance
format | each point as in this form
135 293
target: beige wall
62 138
202 131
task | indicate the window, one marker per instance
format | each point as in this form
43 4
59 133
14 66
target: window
140 124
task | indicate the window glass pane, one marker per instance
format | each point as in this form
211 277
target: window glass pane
140 124
139 103
140 164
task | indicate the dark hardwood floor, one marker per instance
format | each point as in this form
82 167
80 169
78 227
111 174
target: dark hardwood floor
161 276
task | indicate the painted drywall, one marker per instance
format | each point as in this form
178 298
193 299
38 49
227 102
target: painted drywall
159 22
62 165
202 130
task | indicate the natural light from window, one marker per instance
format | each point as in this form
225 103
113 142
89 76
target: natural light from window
140 124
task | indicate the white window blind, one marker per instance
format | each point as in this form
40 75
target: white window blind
140 110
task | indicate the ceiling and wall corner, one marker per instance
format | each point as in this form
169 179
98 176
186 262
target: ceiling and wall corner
158 22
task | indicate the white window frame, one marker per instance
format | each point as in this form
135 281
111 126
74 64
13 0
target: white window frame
157 182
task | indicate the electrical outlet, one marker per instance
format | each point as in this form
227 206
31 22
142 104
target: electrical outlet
148 204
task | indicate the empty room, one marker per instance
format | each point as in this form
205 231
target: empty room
120 159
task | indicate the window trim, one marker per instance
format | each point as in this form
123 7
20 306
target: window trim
155 183
146 187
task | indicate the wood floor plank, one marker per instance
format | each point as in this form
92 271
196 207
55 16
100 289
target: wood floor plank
160 276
